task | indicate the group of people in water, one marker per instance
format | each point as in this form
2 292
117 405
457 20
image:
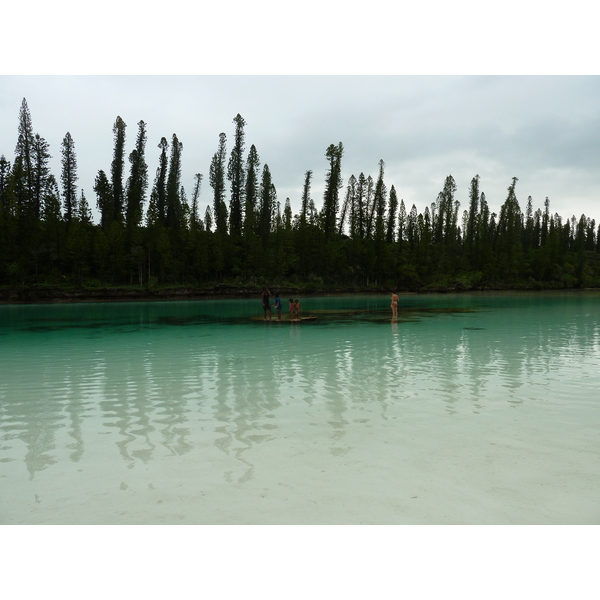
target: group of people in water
295 307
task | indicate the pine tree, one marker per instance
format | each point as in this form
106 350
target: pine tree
401 223
268 197
346 209
104 199
305 201
174 204
369 204
25 153
392 209
117 167
84 213
251 189
470 227
361 209
528 235
138 179
195 221
217 182
69 177
509 235
235 174
333 182
353 212
545 221
208 218
160 182
53 224
41 172
287 215
380 201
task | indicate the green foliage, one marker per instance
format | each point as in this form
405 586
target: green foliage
368 241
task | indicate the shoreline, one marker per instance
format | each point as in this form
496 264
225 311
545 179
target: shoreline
54 295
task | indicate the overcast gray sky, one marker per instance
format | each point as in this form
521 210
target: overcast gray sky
434 119
545 130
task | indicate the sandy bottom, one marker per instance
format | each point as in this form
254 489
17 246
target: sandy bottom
400 474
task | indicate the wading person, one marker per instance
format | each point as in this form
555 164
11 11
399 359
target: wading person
277 305
297 309
394 304
266 304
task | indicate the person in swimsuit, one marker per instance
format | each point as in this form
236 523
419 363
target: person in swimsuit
292 310
266 304
277 305
394 304
297 309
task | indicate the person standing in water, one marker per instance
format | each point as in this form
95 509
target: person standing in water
266 304
291 308
277 305
394 304
297 309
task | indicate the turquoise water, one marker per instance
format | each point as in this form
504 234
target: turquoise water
470 408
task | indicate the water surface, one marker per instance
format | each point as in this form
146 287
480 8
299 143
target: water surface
470 408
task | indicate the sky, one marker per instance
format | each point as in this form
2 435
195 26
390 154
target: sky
544 130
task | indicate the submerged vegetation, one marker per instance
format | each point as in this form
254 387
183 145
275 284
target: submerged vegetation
362 237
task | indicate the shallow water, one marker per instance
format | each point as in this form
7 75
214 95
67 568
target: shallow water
470 408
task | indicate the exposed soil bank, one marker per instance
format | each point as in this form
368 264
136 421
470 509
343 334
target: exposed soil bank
46 294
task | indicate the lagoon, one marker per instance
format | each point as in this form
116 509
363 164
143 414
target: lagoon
468 409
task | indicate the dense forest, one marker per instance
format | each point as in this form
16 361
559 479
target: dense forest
361 236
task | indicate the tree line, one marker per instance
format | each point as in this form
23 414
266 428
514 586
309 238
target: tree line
362 235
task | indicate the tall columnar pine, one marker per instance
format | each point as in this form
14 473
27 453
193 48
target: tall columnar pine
195 221
333 183
160 181
41 172
360 207
217 182
380 202
346 208
509 235
137 182
24 152
4 175
446 217
305 200
268 198
69 177
235 174
208 218
528 239
84 213
411 227
104 199
52 208
351 209
53 238
401 224
391 221
117 167
469 229
287 215
369 209
251 188
174 201
545 221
